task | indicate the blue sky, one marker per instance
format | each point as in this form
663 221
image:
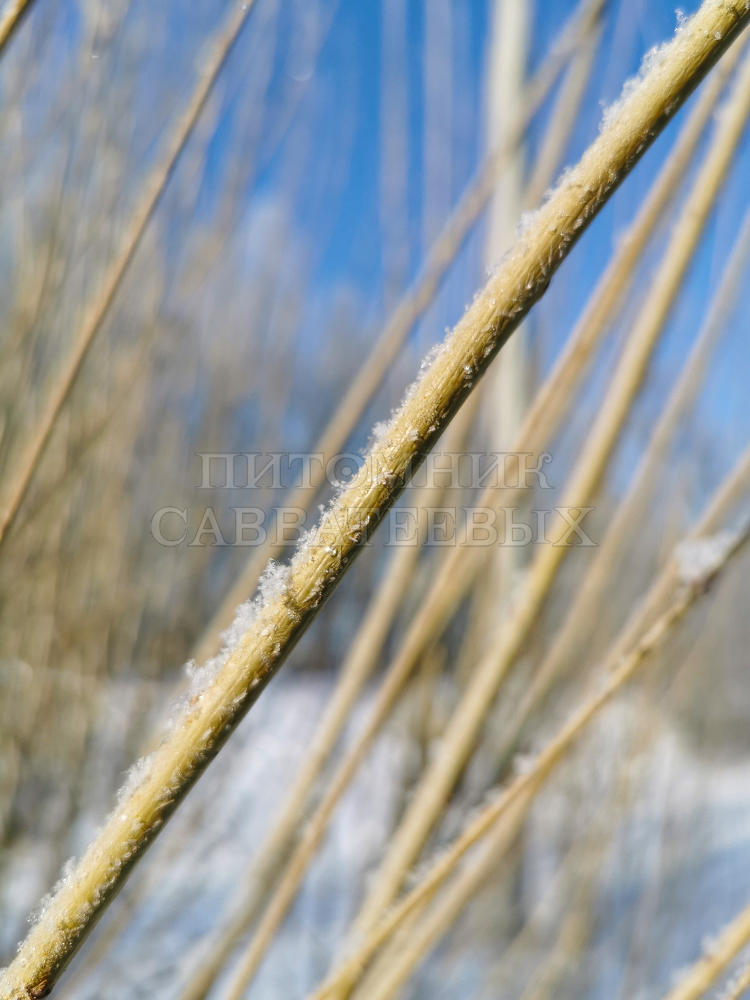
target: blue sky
300 113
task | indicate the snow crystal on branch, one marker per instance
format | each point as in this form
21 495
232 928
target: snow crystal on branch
698 559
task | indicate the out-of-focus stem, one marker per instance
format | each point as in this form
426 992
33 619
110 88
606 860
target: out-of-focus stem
10 14
617 670
583 611
465 725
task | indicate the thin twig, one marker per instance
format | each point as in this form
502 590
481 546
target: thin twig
10 15
722 949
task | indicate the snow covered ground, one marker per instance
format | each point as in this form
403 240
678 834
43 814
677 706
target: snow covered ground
670 846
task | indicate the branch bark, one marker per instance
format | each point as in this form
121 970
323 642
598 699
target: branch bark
289 606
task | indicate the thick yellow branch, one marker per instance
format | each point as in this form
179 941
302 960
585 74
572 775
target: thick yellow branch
289 603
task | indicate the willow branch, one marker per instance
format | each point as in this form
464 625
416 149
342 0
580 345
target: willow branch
289 604
462 563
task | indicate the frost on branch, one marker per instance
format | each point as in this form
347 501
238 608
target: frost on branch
651 60
697 559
